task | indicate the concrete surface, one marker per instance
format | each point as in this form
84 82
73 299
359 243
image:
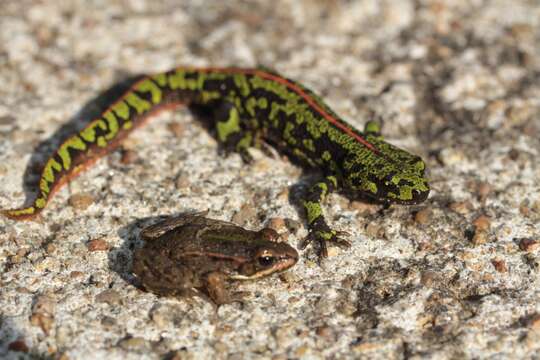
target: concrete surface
457 82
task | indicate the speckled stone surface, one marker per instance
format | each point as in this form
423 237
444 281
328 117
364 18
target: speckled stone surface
457 82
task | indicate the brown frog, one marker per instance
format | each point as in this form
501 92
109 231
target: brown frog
189 254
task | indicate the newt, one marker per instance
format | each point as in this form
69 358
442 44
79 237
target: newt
190 255
251 108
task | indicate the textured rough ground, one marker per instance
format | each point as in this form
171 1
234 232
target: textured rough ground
457 82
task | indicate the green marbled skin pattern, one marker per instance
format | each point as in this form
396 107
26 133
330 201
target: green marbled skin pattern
250 106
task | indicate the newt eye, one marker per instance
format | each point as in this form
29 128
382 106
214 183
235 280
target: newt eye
266 260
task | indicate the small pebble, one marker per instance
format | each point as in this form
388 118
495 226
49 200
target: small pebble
109 296
22 252
16 259
270 235
364 208
534 321
176 128
197 189
23 290
50 248
374 230
513 154
45 36
536 206
482 223
499 265
428 278
483 190
277 224
76 274
55 227
528 245
128 157
98 245
108 321
283 194
293 299
161 318
19 346
62 356
289 277
347 308
43 313
301 351
81 201
6 120
522 31
133 344
182 182
293 225
333 251
424 245
524 210
348 282
324 332
461 207
423 216
247 213
479 238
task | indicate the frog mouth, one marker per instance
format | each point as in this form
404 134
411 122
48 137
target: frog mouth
280 266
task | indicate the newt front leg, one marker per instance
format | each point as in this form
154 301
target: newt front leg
319 230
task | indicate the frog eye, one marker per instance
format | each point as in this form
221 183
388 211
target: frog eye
266 260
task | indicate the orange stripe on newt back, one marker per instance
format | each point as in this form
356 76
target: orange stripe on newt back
312 102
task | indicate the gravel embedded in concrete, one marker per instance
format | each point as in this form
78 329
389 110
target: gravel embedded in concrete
455 81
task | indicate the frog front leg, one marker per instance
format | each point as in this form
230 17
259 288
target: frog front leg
216 287
232 132
319 230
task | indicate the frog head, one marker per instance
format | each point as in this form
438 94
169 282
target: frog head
266 259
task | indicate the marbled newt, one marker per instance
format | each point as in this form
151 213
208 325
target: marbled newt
250 106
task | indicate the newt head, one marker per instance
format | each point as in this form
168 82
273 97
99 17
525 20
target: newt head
386 174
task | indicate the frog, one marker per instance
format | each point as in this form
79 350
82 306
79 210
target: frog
191 255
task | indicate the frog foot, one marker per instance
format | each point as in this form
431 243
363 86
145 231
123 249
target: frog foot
323 234
218 291
229 298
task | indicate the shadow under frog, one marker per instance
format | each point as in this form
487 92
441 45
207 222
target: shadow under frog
188 254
